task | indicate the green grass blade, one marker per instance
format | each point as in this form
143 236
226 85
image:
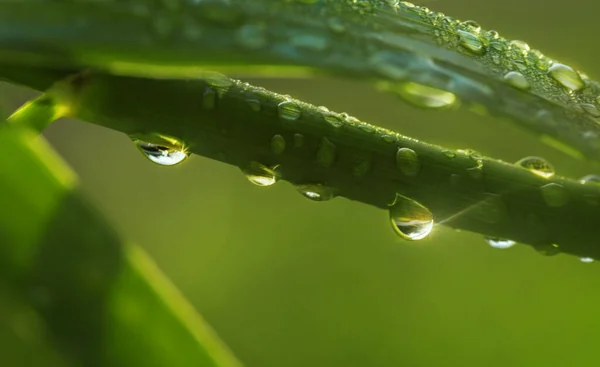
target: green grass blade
102 301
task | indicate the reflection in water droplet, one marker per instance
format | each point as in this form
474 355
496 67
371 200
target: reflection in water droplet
161 150
538 166
517 80
471 42
586 260
554 195
499 242
261 175
277 144
566 76
547 249
288 110
424 96
408 162
410 220
316 192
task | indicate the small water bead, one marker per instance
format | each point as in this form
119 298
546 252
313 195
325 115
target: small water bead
522 46
254 105
586 260
162 151
326 153
410 219
277 144
288 110
471 42
332 119
591 109
316 192
554 195
218 81
261 175
408 162
566 76
517 80
390 139
473 25
500 243
424 96
538 166
449 153
547 249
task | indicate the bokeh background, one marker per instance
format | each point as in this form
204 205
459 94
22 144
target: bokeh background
287 282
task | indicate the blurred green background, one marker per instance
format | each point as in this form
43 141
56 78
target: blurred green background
287 282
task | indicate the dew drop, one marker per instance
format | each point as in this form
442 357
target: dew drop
326 153
332 119
390 139
410 220
408 162
473 25
254 105
424 96
538 166
586 260
566 76
521 45
161 150
261 175
591 109
288 110
471 42
499 242
547 249
316 192
277 144
554 195
449 153
517 80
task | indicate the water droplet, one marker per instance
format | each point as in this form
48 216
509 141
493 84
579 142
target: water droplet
591 109
218 81
547 249
586 260
590 179
538 166
209 99
277 144
298 140
326 153
471 42
449 153
424 96
566 76
411 220
499 242
261 175
517 80
254 104
332 119
408 162
161 150
554 195
316 192
288 110
522 46
473 25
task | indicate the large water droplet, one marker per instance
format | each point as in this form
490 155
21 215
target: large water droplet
586 260
471 42
538 166
566 76
411 220
289 110
408 162
261 175
499 242
554 195
424 96
316 192
161 150
517 80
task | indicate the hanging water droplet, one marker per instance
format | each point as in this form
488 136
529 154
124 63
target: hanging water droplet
517 80
566 76
590 179
554 195
547 249
261 175
586 260
408 162
326 153
160 149
499 242
277 144
410 220
424 96
538 166
288 110
316 192
471 42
